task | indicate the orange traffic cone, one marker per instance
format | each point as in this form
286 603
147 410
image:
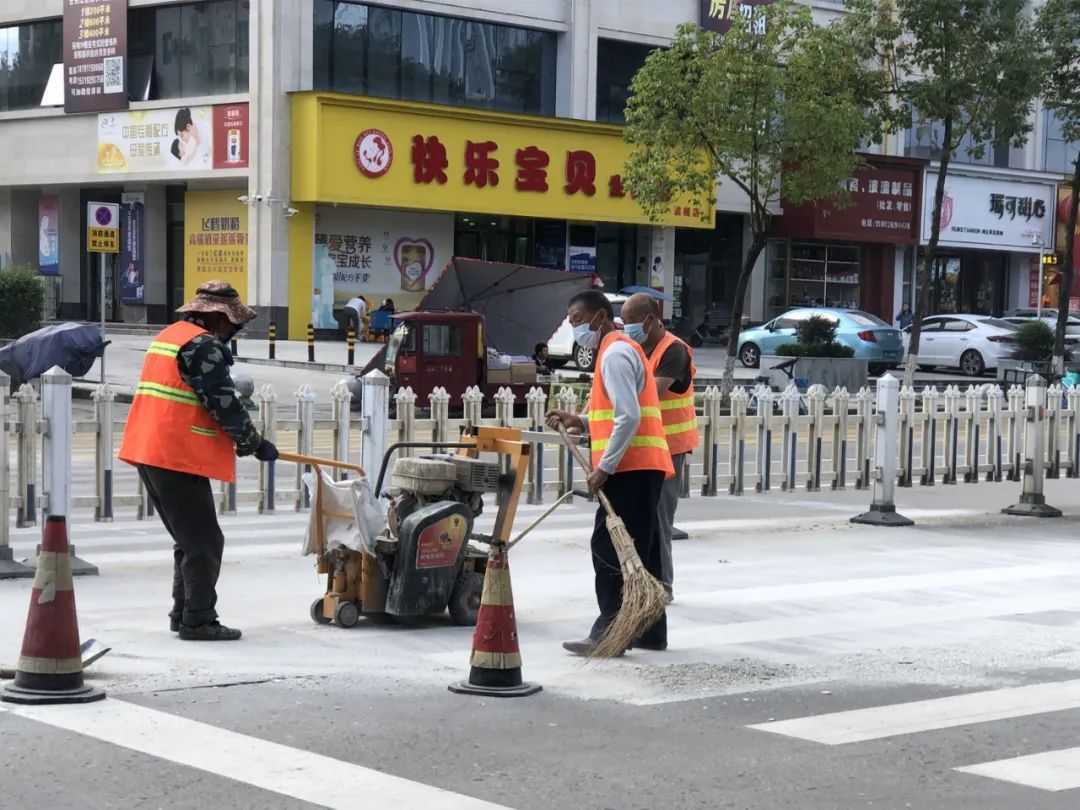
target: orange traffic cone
50 665
496 660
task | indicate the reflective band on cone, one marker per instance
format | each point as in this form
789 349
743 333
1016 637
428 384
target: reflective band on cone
50 665
496 660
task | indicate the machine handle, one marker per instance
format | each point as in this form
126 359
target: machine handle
316 461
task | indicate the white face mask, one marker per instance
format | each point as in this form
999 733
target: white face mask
585 337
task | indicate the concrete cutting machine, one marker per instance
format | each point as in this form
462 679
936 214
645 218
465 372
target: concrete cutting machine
428 557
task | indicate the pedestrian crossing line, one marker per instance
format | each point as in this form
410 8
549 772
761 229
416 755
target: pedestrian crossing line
1052 770
293 772
861 725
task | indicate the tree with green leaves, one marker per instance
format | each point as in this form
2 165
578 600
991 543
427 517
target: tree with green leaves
971 66
776 100
1059 28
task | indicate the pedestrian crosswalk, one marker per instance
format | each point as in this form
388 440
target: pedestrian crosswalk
1053 770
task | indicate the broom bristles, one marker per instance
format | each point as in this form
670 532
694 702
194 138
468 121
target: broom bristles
643 597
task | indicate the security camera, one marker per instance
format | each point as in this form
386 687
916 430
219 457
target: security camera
243 199
259 198
291 212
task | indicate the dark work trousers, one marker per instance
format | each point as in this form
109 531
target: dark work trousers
186 505
635 497
669 502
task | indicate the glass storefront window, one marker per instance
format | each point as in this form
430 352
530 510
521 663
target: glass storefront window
1059 155
824 275
616 64
180 51
924 139
494 238
27 55
370 50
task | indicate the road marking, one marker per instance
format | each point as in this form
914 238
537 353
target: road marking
879 722
1053 770
292 772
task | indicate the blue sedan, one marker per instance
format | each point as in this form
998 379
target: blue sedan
870 337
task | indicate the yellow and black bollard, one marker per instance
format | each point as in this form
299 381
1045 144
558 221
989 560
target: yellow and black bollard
350 344
271 336
310 343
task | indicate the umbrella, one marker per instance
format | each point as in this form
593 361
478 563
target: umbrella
521 305
72 346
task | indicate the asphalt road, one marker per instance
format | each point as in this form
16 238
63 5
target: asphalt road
959 639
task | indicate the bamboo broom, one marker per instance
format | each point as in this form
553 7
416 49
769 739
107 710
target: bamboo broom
643 595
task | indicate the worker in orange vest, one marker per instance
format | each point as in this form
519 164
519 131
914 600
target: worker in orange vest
187 425
672 364
630 457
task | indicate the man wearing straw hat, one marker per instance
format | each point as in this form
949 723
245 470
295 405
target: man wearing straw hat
630 458
187 425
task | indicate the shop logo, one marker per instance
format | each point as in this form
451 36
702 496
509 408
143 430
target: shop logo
373 153
947 207
413 258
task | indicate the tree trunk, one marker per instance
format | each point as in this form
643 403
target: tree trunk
727 383
1067 272
922 275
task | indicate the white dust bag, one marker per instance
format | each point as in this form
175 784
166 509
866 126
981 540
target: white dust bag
344 514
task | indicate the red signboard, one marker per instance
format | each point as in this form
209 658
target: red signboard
95 55
231 136
883 206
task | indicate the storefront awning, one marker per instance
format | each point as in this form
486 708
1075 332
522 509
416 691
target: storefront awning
397 154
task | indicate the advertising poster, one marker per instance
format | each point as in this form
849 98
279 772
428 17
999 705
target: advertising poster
215 241
231 136
583 258
49 235
991 213
95 55
376 254
178 139
132 251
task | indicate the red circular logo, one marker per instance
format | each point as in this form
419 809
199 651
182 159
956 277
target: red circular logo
373 153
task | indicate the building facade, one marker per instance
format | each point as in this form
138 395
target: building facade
314 150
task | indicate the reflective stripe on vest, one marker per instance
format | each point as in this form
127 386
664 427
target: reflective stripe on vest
678 410
167 425
648 449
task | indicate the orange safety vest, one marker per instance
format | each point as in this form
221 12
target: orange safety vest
680 416
167 425
648 448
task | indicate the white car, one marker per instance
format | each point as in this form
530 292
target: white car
1020 317
561 346
971 343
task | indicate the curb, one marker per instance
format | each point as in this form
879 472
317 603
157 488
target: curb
302 365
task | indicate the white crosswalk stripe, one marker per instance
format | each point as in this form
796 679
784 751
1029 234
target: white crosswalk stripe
1053 770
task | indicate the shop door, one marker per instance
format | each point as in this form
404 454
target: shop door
94 300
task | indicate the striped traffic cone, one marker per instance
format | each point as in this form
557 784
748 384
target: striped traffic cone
50 665
496 660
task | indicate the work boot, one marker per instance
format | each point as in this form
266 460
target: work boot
213 631
174 624
583 648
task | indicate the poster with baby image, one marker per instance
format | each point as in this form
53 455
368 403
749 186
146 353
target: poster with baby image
180 139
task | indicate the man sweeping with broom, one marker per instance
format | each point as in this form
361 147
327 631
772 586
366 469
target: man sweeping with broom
630 461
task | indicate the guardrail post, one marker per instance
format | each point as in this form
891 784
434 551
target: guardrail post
737 443
1053 430
536 401
26 424
9 568
1032 500
790 400
405 400
763 394
972 446
56 456
341 405
1016 409
305 441
930 397
907 435
711 460
993 432
841 401
267 398
567 401
472 406
103 397
952 433
864 415
882 510
1073 432
375 410
504 416
816 407
440 414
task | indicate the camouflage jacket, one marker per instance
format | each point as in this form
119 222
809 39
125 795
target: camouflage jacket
204 365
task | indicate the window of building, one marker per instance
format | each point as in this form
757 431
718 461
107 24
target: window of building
27 55
924 140
1059 154
369 50
181 51
616 64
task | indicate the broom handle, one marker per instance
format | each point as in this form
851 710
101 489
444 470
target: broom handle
316 461
575 451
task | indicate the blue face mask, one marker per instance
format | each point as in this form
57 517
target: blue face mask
585 337
636 332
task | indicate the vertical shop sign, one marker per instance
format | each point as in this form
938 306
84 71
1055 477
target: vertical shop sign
49 235
231 136
132 249
215 240
716 15
95 55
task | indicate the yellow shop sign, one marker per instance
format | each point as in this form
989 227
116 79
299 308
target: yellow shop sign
366 151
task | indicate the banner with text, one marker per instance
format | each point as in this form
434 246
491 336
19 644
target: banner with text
49 235
132 253
215 240
95 55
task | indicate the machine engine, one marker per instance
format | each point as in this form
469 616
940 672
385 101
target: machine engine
425 480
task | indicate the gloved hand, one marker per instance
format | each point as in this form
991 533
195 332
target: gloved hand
266 451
